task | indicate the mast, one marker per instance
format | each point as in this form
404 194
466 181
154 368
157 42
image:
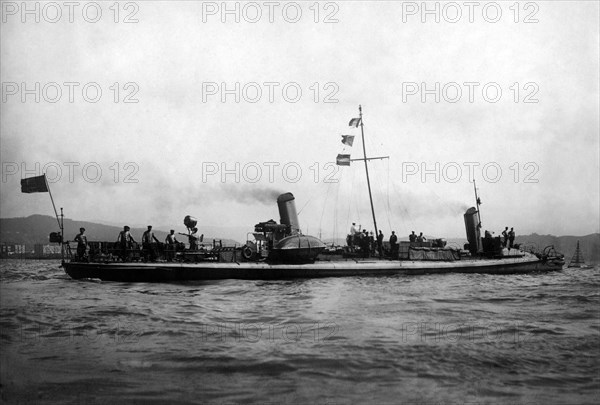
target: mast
478 202
52 199
62 237
362 132
577 259
61 223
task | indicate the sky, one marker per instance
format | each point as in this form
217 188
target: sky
144 112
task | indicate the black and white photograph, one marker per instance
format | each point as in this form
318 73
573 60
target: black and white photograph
300 202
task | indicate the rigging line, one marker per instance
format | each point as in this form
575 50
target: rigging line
324 205
376 182
335 206
382 193
356 199
357 204
299 212
404 214
378 179
351 195
335 214
389 208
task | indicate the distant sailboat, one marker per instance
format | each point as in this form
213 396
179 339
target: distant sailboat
577 259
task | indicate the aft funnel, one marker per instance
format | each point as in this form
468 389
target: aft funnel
287 212
472 227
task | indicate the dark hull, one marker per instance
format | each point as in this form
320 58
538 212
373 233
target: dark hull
165 272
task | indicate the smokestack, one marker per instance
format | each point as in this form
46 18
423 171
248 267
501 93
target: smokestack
287 211
473 232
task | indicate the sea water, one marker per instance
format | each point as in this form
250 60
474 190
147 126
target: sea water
452 338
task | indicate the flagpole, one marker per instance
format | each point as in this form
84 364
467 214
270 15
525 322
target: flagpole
60 223
477 202
362 132
62 236
52 199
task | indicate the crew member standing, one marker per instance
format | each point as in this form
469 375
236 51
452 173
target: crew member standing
412 237
125 241
364 243
380 243
194 239
147 239
171 242
511 238
353 232
82 244
394 245
505 237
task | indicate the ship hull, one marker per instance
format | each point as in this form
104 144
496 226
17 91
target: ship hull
168 272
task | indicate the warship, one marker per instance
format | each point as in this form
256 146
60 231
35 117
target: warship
282 251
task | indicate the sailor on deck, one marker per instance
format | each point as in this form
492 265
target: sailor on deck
380 243
352 237
171 239
364 243
394 245
171 242
82 243
125 241
505 236
511 238
194 239
147 239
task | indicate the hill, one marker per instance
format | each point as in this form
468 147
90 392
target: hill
36 228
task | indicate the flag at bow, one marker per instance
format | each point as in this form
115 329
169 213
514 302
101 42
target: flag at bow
343 160
348 139
355 122
34 184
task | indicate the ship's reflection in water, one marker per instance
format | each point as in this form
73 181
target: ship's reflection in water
437 338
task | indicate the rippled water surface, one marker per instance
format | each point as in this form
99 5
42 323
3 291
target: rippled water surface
408 339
